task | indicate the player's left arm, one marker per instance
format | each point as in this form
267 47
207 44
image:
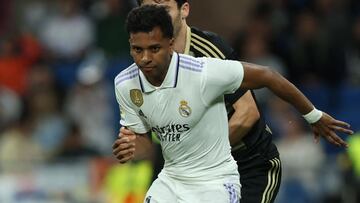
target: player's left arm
256 76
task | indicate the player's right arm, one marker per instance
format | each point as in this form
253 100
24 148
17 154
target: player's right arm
133 141
131 146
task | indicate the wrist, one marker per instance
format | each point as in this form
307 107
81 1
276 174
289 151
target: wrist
313 116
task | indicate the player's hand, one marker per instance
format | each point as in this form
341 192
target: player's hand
327 127
124 146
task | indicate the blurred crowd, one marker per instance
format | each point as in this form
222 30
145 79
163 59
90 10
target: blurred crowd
58 60
57 63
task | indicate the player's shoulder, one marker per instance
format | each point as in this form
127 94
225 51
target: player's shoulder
208 35
211 43
127 76
191 63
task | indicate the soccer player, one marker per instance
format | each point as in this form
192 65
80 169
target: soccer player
165 93
256 155
181 99
251 140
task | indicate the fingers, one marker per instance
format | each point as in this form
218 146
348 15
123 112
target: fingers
327 127
330 136
337 140
331 140
124 155
338 125
126 158
120 153
124 148
122 140
341 123
341 129
125 132
316 137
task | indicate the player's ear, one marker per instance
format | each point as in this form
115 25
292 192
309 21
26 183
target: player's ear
185 9
172 41
130 49
129 45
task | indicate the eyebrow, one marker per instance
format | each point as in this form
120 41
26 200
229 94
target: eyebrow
155 46
149 47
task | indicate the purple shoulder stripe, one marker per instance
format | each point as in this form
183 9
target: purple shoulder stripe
126 78
129 73
184 58
190 63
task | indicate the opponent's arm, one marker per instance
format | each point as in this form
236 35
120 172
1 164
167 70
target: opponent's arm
256 76
132 146
245 116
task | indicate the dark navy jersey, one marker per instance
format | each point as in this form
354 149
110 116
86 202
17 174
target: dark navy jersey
203 43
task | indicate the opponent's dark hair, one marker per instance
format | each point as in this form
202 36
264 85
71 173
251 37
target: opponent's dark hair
146 18
178 2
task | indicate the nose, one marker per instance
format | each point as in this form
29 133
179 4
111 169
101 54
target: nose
146 57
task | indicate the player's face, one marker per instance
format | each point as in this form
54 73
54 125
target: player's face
177 15
152 54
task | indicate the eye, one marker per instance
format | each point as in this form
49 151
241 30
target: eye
155 49
137 50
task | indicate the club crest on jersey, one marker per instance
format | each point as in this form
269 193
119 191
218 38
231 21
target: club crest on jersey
136 97
184 109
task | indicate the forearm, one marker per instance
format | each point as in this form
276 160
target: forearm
143 147
290 93
256 76
245 116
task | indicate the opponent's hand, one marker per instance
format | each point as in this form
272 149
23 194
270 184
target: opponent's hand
327 127
124 146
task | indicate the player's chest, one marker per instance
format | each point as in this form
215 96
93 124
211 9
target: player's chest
172 106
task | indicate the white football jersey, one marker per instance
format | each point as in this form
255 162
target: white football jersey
187 112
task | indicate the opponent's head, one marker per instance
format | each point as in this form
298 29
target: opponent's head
178 2
178 10
151 40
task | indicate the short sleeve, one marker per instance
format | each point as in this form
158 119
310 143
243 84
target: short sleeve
221 77
128 115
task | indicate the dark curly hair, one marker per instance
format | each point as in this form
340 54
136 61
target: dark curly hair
178 2
146 18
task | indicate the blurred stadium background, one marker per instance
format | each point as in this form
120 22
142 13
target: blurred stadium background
59 117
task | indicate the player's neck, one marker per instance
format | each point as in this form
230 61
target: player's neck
180 39
158 78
